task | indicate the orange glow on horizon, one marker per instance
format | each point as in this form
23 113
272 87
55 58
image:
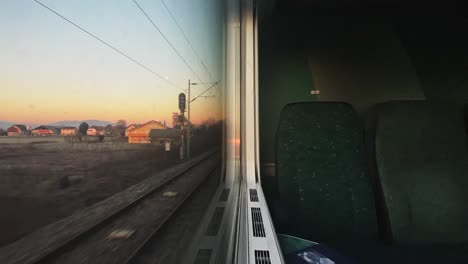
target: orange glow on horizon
48 114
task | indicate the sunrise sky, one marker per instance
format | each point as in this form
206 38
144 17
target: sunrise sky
51 71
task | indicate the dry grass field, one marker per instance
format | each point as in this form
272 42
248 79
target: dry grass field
44 179
42 183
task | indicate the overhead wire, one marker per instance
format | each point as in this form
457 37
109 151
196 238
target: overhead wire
107 44
201 94
167 40
187 39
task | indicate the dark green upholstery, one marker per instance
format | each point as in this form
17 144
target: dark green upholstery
422 163
322 176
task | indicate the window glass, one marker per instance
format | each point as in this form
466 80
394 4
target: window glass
95 98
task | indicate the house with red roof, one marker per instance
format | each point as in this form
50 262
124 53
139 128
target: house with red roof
17 130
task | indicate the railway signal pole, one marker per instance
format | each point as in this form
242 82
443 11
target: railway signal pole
189 102
182 101
188 122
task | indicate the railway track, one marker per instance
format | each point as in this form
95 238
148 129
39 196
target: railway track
163 247
116 229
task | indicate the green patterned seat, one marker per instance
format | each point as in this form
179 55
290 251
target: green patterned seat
322 175
422 164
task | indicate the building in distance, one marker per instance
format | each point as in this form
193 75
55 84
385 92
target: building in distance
140 134
68 131
175 120
130 127
46 131
17 130
95 131
165 135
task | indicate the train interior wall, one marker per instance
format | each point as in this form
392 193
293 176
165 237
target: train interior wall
359 59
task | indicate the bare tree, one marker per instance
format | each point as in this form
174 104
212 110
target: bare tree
121 123
121 126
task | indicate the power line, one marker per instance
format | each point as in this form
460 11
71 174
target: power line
187 39
201 94
167 40
107 44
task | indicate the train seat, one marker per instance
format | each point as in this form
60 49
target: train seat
322 174
422 164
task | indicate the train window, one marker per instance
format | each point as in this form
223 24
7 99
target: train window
116 120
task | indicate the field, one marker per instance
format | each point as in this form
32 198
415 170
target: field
27 140
60 143
43 179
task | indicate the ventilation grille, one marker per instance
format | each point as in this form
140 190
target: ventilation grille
262 257
215 221
203 256
253 195
257 222
224 195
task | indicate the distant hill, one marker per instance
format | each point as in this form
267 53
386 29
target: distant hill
76 123
5 125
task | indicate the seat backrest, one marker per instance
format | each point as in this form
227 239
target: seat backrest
322 174
465 113
422 162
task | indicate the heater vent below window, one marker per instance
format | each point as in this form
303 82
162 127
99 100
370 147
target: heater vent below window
257 223
215 222
262 257
253 195
224 195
